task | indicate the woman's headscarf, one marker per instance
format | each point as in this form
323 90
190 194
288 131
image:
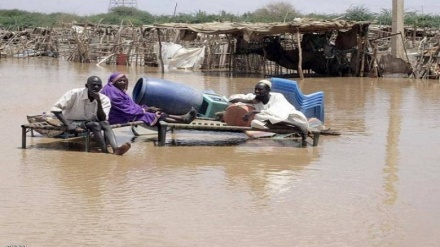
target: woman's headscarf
114 77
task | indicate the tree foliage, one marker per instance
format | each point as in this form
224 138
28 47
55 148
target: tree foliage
359 13
384 17
421 20
273 12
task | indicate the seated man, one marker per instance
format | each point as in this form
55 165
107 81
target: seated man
87 108
124 109
270 108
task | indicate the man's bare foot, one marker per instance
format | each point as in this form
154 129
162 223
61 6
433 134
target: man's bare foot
122 149
190 116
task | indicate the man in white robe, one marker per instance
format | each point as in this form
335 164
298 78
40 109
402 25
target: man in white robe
269 107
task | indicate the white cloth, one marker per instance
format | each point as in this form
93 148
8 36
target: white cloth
277 110
75 105
267 82
176 56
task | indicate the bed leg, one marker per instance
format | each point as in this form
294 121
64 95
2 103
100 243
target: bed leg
23 137
87 141
316 138
304 140
161 134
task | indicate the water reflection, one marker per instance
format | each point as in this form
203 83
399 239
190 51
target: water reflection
212 138
389 223
392 151
260 169
60 144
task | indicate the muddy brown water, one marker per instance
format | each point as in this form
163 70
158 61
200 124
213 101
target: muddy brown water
377 184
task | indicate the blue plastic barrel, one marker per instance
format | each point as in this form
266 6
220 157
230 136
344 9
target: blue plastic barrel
172 97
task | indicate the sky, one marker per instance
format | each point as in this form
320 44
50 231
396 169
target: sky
237 7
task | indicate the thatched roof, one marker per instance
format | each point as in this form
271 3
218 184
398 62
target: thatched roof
263 29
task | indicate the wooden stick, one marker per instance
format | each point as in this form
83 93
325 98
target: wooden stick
107 57
160 51
363 48
300 72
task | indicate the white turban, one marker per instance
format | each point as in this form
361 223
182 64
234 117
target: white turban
267 82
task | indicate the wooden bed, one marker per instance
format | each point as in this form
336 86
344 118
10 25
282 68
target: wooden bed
211 125
163 127
31 127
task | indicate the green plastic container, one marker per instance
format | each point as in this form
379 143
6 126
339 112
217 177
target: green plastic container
212 103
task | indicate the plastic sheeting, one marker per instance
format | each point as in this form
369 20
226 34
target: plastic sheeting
176 56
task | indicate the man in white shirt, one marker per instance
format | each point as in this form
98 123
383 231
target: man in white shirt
87 108
270 108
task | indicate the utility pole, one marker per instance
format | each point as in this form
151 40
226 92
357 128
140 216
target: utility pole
122 3
397 48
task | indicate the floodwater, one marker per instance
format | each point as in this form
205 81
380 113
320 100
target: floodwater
378 184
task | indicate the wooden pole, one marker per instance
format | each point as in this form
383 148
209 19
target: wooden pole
363 48
358 54
160 51
374 71
402 38
300 71
175 9
232 54
264 62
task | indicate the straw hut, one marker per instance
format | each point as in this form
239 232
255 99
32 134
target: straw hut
288 49
330 48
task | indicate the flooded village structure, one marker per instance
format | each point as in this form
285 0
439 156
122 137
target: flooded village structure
300 48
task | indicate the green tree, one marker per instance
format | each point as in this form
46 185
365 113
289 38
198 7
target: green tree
422 20
385 17
359 13
274 12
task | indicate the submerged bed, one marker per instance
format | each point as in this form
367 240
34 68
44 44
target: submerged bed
200 124
218 126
